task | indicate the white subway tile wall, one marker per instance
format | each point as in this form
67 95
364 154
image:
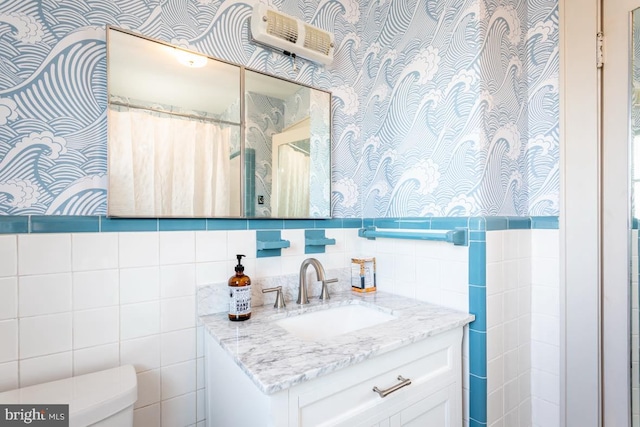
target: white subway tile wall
9 375
95 289
545 328
36 370
94 251
141 249
8 256
71 304
44 254
44 294
508 328
148 416
435 272
129 298
43 335
8 298
96 358
177 247
9 340
140 284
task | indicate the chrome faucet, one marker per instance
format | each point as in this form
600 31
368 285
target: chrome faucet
303 296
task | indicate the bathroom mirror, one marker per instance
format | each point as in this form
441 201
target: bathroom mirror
635 215
179 146
288 136
174 131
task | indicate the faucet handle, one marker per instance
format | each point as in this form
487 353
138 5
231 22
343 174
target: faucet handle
279 297
324 294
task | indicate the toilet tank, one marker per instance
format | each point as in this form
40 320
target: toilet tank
103 398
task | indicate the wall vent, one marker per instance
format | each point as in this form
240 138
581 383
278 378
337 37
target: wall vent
291 35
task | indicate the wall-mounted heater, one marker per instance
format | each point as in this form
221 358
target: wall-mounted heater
291 35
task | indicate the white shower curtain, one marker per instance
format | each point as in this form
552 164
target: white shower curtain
167 166
293 183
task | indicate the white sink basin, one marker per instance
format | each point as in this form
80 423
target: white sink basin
333 321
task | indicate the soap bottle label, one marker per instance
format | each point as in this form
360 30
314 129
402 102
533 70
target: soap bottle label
239 300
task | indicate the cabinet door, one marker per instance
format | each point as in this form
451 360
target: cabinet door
346 398
433 411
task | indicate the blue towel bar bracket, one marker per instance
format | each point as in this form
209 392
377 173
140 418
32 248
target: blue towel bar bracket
269 243
319 242
275 244
315 241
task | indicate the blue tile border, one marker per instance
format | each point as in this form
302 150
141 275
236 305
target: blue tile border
518 223
477 223
265 224
449 223
477 400
386 222
226 224
64 224
329 223
478 263
14 224
297 224
496 223
166 224
477 236
545 222
474 423
127 224
77 224
478 307
478 353
352 222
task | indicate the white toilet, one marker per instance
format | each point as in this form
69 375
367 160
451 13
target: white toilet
103 398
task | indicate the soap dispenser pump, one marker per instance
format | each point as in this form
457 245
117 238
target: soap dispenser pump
239 293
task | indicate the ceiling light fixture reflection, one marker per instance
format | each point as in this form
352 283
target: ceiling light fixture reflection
190 59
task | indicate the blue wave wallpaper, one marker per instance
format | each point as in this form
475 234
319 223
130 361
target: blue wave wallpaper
444 108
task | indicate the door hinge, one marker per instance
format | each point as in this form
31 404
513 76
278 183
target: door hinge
600 49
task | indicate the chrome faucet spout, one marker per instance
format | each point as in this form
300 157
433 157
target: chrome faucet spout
303 295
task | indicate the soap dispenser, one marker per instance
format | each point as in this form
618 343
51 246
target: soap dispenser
239 293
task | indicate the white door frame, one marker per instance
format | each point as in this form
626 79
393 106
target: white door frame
595 360
580 158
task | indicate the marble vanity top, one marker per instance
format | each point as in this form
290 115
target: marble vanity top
276 360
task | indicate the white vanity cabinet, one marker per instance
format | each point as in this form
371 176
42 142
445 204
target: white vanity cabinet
345 397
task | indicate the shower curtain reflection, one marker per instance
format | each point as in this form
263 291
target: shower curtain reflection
293 182
164 165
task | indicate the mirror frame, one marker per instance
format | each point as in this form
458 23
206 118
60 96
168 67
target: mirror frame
243 124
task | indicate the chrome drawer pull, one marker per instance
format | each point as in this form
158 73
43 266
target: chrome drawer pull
403 383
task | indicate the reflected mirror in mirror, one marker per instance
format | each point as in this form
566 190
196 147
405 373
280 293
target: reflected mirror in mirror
288 149
173 133
635 215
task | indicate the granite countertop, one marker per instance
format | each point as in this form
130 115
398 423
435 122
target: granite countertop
276 360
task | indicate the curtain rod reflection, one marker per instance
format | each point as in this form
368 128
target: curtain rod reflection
173 113
300 149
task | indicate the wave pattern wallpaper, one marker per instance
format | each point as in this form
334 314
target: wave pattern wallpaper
443 108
